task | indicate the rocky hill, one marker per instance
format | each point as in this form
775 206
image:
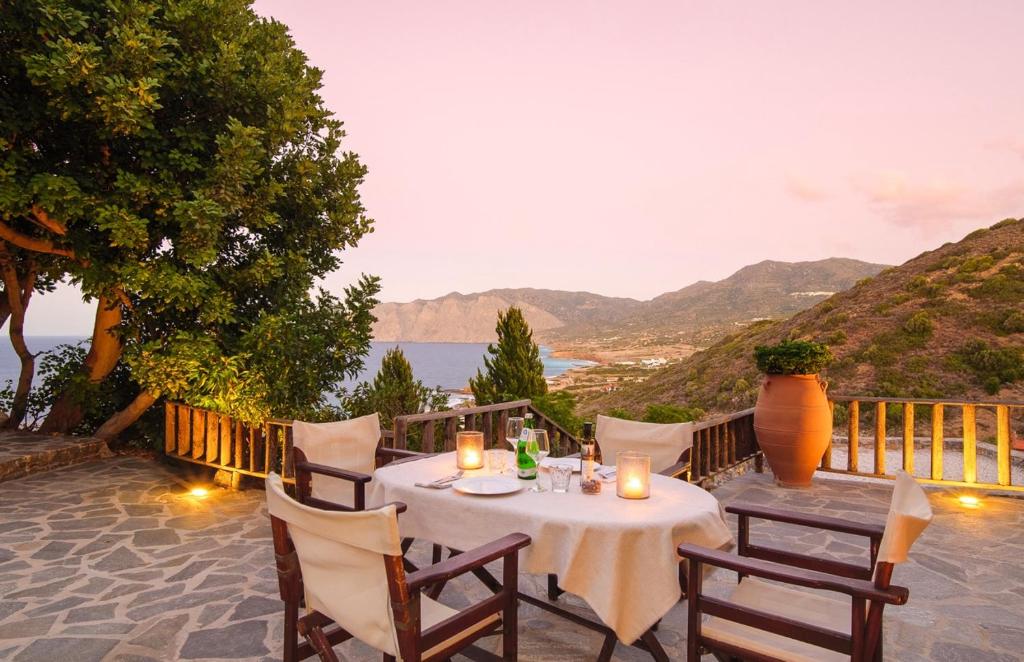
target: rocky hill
697 314
948 323
705 311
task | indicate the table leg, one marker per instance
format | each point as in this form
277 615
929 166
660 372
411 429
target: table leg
553 590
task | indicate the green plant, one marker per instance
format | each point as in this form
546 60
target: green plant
993 367
920 324
512 368
671 414
793 357
620 412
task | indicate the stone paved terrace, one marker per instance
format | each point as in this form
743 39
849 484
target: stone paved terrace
112 560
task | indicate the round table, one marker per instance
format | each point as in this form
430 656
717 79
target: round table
619 555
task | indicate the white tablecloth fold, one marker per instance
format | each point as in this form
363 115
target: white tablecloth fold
618 555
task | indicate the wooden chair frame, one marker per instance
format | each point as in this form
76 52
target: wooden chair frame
869 588
321 634
304 470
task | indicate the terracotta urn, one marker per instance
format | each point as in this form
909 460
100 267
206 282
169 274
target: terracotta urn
793 423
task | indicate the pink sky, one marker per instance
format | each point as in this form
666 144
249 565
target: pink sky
633 148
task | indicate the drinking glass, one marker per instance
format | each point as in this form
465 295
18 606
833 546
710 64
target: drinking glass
538 447
561 475
513 429
496 460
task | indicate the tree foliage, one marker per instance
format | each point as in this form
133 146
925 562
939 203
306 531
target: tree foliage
792 357
513 369
175 160
394 391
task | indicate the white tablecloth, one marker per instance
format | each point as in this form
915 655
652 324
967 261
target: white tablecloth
618 555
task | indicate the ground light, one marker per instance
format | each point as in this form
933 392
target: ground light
199 492
969 501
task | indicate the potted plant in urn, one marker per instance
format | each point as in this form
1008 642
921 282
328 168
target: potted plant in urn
792 418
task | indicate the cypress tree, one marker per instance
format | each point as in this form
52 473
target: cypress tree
513 366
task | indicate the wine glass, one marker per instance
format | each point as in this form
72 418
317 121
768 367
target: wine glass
513 429
538 447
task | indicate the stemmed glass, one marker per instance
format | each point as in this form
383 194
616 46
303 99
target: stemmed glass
513 429
538 447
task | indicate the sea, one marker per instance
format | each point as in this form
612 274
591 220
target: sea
448 365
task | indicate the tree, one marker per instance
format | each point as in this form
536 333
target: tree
513 368
394 392
176 162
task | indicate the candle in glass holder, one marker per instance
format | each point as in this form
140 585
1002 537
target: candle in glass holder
469 449
632 475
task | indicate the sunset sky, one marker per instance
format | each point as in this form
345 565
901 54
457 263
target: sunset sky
633 148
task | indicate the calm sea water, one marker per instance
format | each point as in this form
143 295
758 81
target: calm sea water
448 365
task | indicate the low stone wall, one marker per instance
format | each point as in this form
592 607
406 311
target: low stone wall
25 453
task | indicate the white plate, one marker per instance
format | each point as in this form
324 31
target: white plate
573 462
487 485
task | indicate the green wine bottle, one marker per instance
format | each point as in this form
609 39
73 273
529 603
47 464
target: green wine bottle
526 467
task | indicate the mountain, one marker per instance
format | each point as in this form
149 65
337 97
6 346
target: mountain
948 323
697 314
705 311
471 317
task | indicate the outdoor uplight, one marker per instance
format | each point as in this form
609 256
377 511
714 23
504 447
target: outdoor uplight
199 492
469 449
969 500
632 475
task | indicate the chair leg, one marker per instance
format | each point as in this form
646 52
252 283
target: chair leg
654 646
389 658
607 648
553 591
318 640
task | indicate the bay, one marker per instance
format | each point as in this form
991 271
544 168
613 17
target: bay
448 365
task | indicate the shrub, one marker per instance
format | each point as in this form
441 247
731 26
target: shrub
671 414
792 357
1014 323
919 324
916 283
993 367
620 412
976 263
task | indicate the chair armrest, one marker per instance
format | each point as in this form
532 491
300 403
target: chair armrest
333 472
873 531
467 561
857 588
681 466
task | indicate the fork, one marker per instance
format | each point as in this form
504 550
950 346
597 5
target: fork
442 483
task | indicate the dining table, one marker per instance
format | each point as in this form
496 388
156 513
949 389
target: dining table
618 555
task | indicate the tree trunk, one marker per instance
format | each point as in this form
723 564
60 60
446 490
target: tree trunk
104 353
18 292
114 425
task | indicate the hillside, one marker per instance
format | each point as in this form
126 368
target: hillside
948 323
697 314
471 317
705 311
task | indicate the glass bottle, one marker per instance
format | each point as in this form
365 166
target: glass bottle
526 467
589 484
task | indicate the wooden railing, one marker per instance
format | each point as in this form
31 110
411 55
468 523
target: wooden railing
222 442
933 418
435 431
721 443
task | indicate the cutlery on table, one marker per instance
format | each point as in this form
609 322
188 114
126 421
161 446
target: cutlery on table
442 483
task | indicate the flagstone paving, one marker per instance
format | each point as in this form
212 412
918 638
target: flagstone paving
114 560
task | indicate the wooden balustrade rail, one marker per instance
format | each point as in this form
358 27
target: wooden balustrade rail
436 431
912 414
722 442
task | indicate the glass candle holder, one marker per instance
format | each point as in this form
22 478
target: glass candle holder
469 449
632 475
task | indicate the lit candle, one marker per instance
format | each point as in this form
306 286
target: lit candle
633 471
469 449
634 488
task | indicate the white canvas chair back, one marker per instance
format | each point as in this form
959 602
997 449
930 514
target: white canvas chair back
350 445
664 442
909 515
341 555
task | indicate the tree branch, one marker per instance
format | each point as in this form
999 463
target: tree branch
9 234
48 222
